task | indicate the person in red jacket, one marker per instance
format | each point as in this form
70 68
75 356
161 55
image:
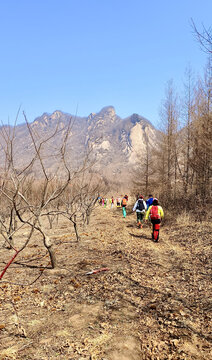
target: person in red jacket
155 214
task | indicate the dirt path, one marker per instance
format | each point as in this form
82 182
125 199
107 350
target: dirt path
153 303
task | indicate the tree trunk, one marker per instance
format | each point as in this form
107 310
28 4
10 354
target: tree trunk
48 245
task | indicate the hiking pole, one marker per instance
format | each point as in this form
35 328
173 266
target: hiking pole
96 271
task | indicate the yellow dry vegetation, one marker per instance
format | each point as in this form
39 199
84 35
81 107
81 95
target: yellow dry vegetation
152 303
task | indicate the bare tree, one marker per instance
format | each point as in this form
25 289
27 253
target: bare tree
29 201
167 149
202 137
204 37
184 144
143 179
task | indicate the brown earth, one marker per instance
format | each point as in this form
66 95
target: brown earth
154 302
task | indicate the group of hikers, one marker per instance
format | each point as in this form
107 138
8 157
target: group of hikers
145 210
149 209
104 202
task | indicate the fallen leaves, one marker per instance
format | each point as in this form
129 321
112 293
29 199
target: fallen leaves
17 298
158 297
75 283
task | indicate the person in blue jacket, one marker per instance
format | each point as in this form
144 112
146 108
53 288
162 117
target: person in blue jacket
149 201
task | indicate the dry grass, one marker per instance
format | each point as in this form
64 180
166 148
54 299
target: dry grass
153 303
184 218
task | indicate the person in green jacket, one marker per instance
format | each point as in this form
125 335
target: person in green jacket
155 214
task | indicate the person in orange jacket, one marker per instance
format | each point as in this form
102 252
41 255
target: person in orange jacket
124 204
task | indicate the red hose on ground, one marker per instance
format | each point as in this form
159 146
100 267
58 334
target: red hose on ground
8 264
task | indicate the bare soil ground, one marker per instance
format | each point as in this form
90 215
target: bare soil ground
154 302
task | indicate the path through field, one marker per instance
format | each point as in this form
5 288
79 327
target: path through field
154 302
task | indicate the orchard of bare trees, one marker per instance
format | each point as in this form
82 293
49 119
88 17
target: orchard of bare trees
27 201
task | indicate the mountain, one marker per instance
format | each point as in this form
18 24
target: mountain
116 142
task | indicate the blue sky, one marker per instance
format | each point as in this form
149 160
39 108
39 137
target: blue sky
87 54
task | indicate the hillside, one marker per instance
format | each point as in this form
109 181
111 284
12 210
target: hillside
116 142
152 303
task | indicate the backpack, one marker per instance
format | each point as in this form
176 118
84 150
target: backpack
154 213
124 202
140 205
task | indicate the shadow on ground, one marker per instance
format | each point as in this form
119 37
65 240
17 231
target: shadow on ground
141 236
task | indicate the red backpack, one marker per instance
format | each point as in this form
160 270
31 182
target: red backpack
154 213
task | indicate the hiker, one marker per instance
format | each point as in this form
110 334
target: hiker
124 204
149 201
140 208
155 214
112 202
118 202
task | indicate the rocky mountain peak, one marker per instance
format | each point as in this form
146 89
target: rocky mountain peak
102 122
108 111
91 116
135 118
115 141
56 114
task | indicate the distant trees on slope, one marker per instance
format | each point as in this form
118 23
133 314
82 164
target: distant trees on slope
180 169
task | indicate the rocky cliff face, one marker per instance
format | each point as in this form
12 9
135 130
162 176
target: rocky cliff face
116 142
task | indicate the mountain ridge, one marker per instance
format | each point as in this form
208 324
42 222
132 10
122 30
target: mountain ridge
116 142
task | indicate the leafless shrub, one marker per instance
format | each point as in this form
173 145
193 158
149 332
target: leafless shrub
25 201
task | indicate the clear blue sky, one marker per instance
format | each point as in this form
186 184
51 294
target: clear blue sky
87 54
